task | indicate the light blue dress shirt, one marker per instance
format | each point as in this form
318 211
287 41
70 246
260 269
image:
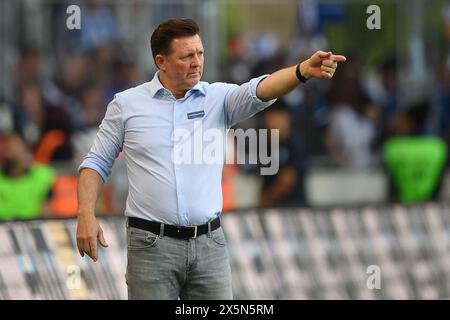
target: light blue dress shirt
142 120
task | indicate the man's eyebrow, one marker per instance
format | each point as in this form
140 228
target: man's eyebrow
191 52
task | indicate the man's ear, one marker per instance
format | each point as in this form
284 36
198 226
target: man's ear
160 62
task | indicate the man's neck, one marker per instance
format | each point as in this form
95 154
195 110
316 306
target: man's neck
15 170
166 84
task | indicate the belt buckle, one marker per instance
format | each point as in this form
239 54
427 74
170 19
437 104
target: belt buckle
195 232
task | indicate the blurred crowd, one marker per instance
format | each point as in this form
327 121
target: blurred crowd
341 124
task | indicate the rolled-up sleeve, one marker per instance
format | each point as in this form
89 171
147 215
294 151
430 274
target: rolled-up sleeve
241 102
108 143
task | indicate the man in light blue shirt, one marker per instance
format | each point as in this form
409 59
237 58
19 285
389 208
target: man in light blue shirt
176 247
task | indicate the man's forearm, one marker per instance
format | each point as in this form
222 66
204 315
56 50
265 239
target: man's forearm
320 65
279 83
89 187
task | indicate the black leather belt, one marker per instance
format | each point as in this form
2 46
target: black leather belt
180 232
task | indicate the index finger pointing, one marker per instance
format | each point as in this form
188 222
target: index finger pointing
338 58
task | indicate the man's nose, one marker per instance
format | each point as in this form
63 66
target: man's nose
196 61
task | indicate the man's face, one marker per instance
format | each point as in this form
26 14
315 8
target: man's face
183 66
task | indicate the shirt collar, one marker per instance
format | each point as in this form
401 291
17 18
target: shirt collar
199 87
156 86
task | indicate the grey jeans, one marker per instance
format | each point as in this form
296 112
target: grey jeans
170 268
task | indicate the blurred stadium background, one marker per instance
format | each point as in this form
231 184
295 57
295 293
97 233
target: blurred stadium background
363 183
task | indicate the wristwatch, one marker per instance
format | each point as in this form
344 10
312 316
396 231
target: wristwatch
299 74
